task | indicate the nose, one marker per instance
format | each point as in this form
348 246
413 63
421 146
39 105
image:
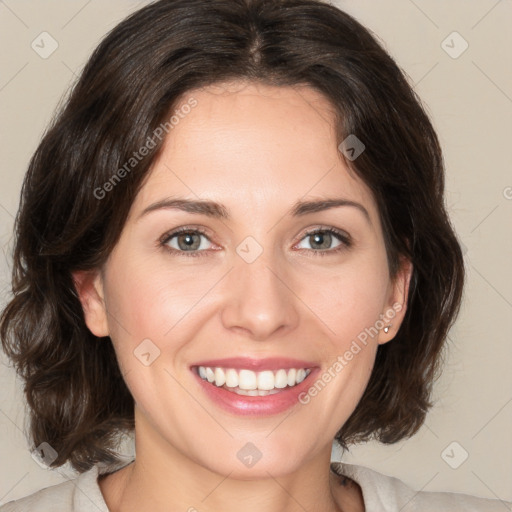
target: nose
259 299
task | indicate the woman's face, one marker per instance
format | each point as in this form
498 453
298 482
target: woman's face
253 285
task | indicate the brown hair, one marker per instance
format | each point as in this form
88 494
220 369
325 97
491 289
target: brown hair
78 400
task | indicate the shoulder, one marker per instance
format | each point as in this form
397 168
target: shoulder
58 496
383 493
81 494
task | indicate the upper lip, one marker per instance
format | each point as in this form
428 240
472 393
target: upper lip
249 363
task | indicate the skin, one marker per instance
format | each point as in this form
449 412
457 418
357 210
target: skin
273 146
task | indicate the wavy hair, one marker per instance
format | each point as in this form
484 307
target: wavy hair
77 398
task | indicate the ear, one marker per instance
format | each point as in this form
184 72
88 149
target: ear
396 305
89 287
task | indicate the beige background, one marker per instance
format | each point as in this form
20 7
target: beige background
470 101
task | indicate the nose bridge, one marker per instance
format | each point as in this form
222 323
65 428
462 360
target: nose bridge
258 299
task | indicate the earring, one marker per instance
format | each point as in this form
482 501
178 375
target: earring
386 329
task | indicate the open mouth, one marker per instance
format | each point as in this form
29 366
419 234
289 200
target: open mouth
250 383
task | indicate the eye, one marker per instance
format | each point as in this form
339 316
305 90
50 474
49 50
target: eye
322 239
185 241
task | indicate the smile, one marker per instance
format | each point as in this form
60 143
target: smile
250 383
254 386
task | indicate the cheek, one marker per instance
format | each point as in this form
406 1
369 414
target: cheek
147 298
350 303
350 299
145 302
155 306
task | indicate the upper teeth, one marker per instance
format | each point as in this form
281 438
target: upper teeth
247 379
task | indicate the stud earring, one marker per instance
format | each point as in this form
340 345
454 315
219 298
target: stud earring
386 329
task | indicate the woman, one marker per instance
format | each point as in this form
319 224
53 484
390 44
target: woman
232 241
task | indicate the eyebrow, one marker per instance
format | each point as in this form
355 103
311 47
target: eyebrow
219 211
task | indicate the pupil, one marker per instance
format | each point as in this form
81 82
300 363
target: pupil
321 238
189 242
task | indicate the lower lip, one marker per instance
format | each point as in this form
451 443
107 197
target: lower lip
256 405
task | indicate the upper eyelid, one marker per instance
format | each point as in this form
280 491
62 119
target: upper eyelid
202 231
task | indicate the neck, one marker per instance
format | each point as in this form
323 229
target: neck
145 490
165 479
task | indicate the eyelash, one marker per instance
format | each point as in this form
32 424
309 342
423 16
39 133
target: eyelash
345 240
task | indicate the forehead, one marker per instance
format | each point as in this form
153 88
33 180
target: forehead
264 145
